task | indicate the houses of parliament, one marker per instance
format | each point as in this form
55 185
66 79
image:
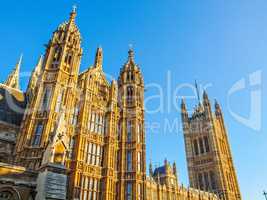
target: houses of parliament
76 136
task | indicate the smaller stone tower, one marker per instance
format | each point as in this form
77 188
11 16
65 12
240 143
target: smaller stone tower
208 152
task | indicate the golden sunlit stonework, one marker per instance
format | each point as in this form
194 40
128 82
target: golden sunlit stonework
75 135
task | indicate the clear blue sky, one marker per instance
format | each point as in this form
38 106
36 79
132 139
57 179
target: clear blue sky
216 42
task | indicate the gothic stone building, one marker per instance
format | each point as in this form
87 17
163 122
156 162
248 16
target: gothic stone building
75 135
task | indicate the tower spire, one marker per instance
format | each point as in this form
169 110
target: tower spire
197 90
205 96
131 53
73 14
218 110
99 58
13 78
39 65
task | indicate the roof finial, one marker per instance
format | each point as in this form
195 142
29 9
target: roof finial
73 13
99 58
197 90
74 8
131 52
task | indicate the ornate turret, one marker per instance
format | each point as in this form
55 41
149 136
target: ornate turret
99 58
205 97
73 14
131 55
34 79
56 71
132 140
13 79
206 105
184 110
218 110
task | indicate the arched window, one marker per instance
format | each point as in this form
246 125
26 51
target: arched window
128 74
129 131
207 183
68 58
129 191
57 56
213 180
37 134
196 147
59 100
207 146
201 145
46 98
200 181
129 160
75 116
130 92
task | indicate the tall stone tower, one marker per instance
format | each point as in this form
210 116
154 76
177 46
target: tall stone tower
49 104
209 158
131 155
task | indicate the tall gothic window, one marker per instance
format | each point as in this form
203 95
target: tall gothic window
92 124
68 58
206 178
129 191
46 98
201 145
93 154
97 123
90 188
37 134
106 125
130 91
200 181
129 131
129 160
207 146
75 116
213 180
196 147
130 76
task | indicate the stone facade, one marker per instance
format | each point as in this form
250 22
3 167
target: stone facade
80 136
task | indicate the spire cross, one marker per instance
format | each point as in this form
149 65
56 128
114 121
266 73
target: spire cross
265 194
